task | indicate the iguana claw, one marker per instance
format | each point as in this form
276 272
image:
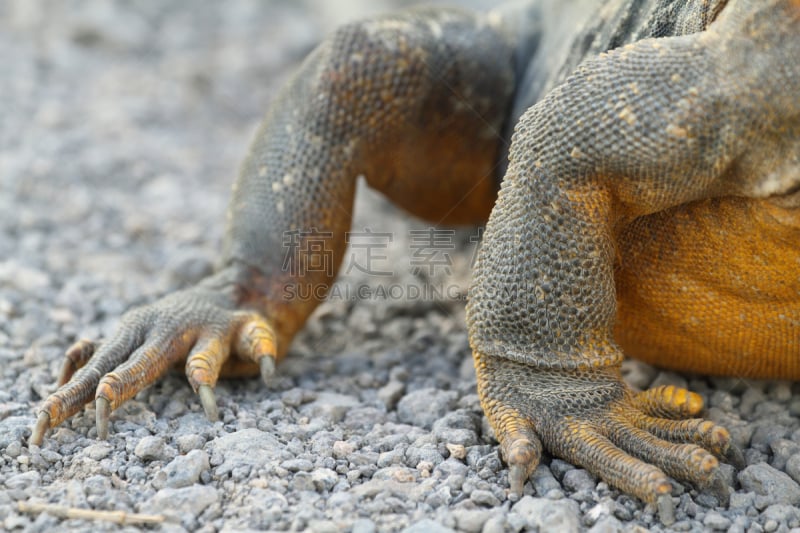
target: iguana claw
102 414
517 476
734 457
266 366
209 402
42 423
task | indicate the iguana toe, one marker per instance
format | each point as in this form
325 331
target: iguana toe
669 401
522 451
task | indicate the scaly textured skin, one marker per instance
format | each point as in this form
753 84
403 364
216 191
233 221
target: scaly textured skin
648 143
650 205
413 102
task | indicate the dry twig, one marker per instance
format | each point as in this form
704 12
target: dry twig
62 511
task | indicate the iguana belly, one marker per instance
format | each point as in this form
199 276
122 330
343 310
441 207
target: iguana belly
713 287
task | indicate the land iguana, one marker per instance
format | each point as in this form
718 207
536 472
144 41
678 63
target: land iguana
649 205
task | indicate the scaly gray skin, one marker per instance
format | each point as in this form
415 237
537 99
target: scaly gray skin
418 103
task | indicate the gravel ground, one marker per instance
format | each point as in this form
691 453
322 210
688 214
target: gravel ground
123 124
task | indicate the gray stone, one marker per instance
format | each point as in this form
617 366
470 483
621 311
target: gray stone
374 487
297 397
666 377
767 433
558 468
793 467
394 457
495 524
250 447
98 450
135 473
470 520
97 485
607 524
324 479
783 514
750 399
780 391
195 424
15 428
484 497
14 449
742 500
423 407
773 485
390 393
23 481
716 521
302 481
185 470
782 450
549 515
452 467
15 522
184 504
460 437
427 526
363 525
427 453
24 278
638 374
298 465
578 479
186 443
459 419
342 449
330 405
543 481
361 458
154 448
516 522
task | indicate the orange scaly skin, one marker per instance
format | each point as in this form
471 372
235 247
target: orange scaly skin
741 318
649 205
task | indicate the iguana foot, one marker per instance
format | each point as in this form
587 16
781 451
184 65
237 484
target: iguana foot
199 326
592 419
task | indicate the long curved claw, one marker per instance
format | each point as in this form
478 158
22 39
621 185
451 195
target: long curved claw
102 414
517 475
266 366
666 509
209 402
42 424
735 457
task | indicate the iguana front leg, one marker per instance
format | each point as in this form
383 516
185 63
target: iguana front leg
653 125
414 102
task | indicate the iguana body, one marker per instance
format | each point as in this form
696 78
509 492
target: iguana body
649 205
